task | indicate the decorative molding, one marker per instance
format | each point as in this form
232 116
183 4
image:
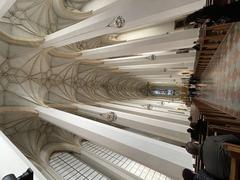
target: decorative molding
109 116
117 22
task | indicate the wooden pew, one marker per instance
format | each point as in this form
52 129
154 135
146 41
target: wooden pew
220 130
234 150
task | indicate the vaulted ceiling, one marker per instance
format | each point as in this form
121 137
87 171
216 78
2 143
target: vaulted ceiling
60 52
111 66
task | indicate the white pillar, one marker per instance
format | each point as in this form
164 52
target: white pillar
162 58
173 40
158 127
162 115
158 107
163 157
137 13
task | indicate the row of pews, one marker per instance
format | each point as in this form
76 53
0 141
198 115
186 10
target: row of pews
210 37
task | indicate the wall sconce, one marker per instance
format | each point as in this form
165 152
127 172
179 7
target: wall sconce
152 57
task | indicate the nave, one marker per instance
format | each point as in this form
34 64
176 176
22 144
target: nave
119 89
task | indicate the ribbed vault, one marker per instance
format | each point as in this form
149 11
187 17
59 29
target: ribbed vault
31 75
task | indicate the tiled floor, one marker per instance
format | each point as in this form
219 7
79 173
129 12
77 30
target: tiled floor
71 168
222 76
123 162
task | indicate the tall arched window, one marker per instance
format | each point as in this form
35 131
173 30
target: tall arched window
70 167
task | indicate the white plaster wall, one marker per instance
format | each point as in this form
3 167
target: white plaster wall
12 161
5 5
